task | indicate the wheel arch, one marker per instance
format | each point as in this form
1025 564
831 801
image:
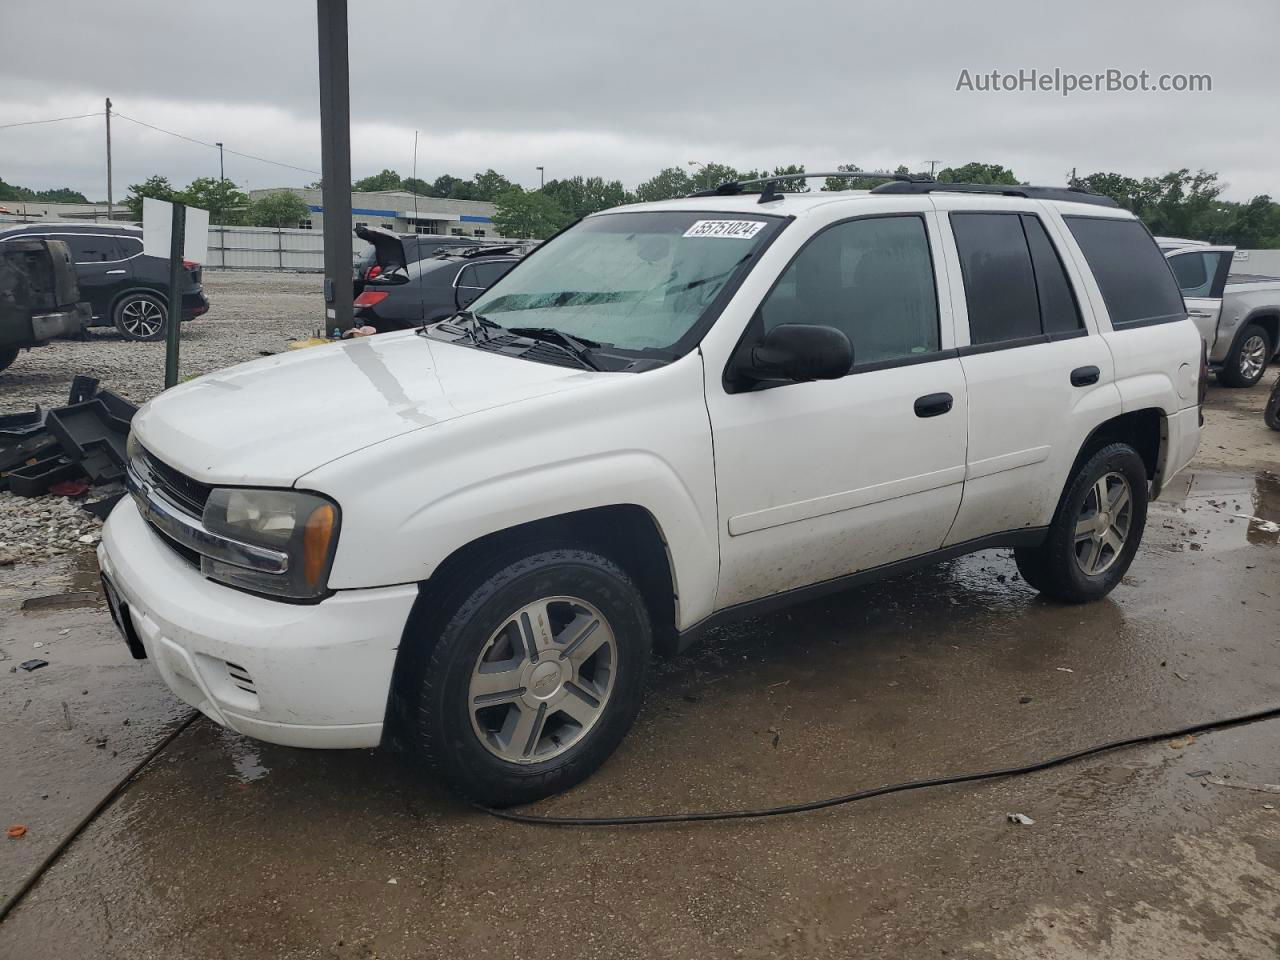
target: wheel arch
1266 317
1146 430
149 291
626 533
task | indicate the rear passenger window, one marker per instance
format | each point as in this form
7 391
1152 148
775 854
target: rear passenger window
487 274
870 278
89 249
1058 310
128 246
1135 279
999 283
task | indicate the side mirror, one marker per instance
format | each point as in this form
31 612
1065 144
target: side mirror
798 352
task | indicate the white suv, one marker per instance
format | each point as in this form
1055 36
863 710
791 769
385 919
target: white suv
469 539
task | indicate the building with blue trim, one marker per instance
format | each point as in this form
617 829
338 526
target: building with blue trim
401 212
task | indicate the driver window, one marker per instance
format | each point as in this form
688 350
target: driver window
872 279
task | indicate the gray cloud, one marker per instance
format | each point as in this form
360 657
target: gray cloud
622 89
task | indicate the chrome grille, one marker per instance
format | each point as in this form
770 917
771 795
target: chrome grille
179 489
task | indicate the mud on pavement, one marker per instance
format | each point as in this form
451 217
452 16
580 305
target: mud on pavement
226 847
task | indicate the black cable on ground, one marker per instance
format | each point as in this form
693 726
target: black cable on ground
16 897
1268 714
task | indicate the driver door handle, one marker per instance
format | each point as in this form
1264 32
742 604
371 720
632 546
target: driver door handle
934 404
112 273
1084 376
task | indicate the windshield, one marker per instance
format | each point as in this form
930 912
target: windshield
637 281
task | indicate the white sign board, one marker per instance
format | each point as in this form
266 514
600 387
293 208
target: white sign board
157 230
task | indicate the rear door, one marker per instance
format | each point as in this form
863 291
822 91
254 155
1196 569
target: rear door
1038 376
1201 273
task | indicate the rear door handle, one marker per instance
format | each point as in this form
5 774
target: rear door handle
112 273
934 404
1084 376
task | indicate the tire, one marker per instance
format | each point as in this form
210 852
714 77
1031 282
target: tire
538 732
1079 560
1248 359
1272 412
7 357
141 316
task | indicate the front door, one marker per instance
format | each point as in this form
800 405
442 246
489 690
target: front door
101 269
821 479
1202 276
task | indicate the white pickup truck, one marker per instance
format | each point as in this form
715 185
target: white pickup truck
468 539
1238 315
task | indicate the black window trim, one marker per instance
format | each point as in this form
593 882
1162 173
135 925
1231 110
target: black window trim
1129 324
753 331
1016 343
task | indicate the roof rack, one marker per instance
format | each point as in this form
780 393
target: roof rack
1069 194
770 191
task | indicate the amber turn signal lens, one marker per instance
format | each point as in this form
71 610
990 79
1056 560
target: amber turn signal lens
315 543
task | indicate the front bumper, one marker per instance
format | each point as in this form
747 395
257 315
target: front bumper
302 675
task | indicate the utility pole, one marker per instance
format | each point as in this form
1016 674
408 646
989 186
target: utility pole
109 203
933 165
335 161
542 177
222 175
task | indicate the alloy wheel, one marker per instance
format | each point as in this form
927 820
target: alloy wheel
1102 526
142 318
543 679
1253 357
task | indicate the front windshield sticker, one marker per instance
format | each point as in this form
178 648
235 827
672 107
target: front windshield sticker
733 229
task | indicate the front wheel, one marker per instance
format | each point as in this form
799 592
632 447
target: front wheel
534 679
140 316
1248 358
1096 532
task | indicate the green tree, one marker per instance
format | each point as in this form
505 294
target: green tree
978 173
488 186
444 185
708 176
386 180
9 191
220 197
579 196
417 185
278 209
665 185
61 195
157 187
527 214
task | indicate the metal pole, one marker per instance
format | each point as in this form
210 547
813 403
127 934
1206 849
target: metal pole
335 161
222 173
542 177
173 323
109 198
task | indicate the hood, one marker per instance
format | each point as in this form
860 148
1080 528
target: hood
270 421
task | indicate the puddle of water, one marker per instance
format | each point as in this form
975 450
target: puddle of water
1221 511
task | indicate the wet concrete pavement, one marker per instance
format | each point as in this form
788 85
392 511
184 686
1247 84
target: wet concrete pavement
230 848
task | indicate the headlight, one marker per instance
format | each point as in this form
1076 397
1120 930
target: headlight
301 527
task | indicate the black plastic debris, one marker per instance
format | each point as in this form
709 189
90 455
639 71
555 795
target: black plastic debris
29 665
86 438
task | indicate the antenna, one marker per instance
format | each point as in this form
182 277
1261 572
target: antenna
422 304
415 179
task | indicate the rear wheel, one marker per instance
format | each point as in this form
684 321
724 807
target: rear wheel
1248 358
1096 532
534 679
7 357
141 316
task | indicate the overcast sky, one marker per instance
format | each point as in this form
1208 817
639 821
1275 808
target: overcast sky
621 89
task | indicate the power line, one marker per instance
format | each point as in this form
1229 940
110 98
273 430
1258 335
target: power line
28 123
212 146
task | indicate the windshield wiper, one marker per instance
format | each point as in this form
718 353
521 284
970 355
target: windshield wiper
473 325
580 347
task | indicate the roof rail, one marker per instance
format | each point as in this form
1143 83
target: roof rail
770 191
1069 194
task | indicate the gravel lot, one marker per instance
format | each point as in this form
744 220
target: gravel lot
250 313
